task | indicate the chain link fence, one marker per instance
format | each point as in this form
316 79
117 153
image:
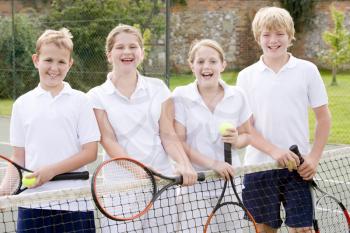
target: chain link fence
90 22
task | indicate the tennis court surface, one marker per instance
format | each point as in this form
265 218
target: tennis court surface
186 209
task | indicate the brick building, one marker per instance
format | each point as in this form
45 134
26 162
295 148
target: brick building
229 22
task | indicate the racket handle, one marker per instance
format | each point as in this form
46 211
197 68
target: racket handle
227 152
72 176
295 150
201 176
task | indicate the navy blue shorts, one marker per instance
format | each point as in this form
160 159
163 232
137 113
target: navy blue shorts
49 221
264 192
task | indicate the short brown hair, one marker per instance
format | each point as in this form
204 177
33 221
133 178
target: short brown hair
61 38
119 29
208 43
272 18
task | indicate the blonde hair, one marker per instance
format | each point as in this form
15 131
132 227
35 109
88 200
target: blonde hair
272 18
119 29
61 38
208 43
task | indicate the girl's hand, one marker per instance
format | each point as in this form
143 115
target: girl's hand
225 170
189 175
230 136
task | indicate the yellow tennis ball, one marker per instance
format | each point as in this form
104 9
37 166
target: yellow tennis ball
28 182
291 165
224 126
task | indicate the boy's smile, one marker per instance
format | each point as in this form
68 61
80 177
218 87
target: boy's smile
274 47
53 64
127 60
274 43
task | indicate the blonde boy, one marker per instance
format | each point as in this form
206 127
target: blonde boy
280 89
53 130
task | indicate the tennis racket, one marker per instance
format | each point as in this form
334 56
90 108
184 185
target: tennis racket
329 213
130 189
229 216
11 175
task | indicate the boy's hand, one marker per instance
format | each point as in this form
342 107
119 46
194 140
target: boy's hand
42 176
225 170
285 158
308 169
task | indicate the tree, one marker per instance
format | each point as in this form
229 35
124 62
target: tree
26 30
90 22
302 12
338 41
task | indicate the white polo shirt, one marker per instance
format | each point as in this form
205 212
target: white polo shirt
280 103
135 120
52 129
202 125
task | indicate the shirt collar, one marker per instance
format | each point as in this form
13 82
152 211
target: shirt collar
227 92
67 89
290 64
109 87
195 96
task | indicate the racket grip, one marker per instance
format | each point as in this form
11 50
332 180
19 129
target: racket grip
295 150
72 176
201 176
227 152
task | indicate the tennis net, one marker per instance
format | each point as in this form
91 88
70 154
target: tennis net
182 209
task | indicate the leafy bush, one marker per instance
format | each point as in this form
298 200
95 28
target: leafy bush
15 52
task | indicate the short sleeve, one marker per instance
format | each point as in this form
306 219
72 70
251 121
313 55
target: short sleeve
17 135
240 80
179 107
163 92
95 98
245 111
317 93
88 130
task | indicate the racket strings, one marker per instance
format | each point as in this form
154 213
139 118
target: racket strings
230 216
330 216
126 191
10 179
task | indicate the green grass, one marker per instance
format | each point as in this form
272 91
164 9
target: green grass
5 107
339 102
339 105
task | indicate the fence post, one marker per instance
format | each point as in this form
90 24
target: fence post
167 41
14 90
